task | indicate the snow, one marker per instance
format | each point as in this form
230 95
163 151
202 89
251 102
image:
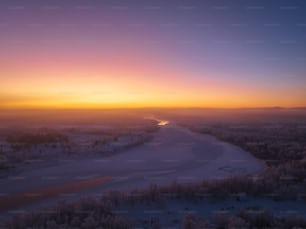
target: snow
174 154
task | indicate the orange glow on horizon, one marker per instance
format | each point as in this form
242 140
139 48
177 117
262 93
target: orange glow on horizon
60 94
122 81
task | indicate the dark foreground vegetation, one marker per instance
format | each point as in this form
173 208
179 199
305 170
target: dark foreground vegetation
103 212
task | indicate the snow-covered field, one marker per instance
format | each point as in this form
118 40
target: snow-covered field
173 154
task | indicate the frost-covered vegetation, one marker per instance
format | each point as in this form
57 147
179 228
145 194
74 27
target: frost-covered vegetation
275 144
109 211
26 145
278 137
86 213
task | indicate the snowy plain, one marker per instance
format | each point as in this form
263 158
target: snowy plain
173 154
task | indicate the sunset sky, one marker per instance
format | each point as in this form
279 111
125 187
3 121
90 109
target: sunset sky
109 54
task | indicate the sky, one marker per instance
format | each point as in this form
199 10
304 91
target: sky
113 54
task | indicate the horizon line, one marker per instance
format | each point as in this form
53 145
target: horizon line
153 107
